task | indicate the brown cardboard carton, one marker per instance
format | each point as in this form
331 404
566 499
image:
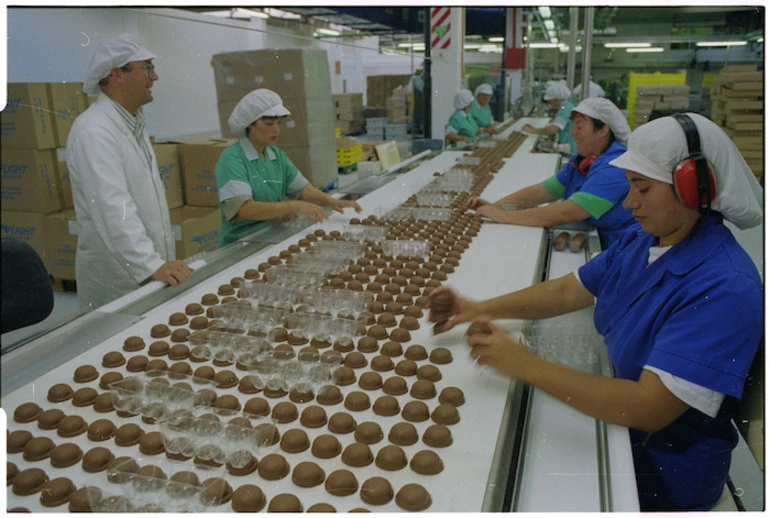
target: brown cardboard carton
319 166
24 226
27 121
348 100
196 229
170 172
30 181
61 237
198 157
68 101
303 71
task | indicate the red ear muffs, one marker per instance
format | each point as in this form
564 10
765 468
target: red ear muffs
686 184
583 163
694 182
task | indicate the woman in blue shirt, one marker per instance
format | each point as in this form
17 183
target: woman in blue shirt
679 304
589 187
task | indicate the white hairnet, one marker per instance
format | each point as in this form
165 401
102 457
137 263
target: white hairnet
605 111
255 105
655 148
483 88
556 90
115 51
463 98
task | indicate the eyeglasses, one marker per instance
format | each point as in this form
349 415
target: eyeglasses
149 68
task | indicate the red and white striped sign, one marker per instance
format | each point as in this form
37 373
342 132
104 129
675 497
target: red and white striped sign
439 27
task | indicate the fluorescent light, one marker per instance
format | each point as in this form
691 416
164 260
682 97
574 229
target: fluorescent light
328 32
761 39
720 43
645 49
240 12
555 41
545 12
542 45
473 37
500 39
490 48
625 45
549 24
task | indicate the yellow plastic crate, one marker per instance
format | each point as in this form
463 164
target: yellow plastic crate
337 132
655 79
349 156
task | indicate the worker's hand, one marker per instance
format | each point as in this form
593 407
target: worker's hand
339 205
499 350
463 138
528 128
475 202
172 273
492 128
492 212
448 309
311 211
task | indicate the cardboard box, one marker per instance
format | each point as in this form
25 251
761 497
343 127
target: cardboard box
198 157
61 237
30 180
347 100
25 226
68 101
350 113
303 71
170 172
379 88
27 120
196 229
319 166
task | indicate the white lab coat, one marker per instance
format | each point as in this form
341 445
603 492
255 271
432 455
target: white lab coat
124 229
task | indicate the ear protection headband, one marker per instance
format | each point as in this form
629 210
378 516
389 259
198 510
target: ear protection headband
694 182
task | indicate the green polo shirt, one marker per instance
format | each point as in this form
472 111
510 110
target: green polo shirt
243 174
482 116
462 124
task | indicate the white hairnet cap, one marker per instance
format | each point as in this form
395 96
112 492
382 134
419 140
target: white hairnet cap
556 90
605 111
655 148
484 88
115 51
255 105
463 98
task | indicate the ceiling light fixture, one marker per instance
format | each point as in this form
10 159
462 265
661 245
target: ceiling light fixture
327 32
720 43
644 49
549 24
542 45
625 45
240 12
496 39
545 12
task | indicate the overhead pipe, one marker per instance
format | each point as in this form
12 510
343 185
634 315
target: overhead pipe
574 14
428 84
588 29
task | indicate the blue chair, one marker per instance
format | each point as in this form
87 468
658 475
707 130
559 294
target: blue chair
27 293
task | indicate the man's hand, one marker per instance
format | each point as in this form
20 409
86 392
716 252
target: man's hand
172 273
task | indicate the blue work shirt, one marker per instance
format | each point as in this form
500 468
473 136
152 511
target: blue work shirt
696 313
600 192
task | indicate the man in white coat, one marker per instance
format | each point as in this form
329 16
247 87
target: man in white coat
125 237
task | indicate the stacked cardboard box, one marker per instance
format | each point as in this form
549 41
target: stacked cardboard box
196 230
738 106
380 88
349 109
399 105
301 78
29 185
659 98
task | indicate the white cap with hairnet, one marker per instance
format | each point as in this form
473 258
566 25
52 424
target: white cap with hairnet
556 90
604 110
255 105
116 51
463 98
655 148
484 88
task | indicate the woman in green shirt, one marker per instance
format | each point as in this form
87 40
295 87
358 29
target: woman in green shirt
461 126
480 110
255 178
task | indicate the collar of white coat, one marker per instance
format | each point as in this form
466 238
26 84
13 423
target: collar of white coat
252 154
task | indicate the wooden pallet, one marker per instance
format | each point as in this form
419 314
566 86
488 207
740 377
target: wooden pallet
64 284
